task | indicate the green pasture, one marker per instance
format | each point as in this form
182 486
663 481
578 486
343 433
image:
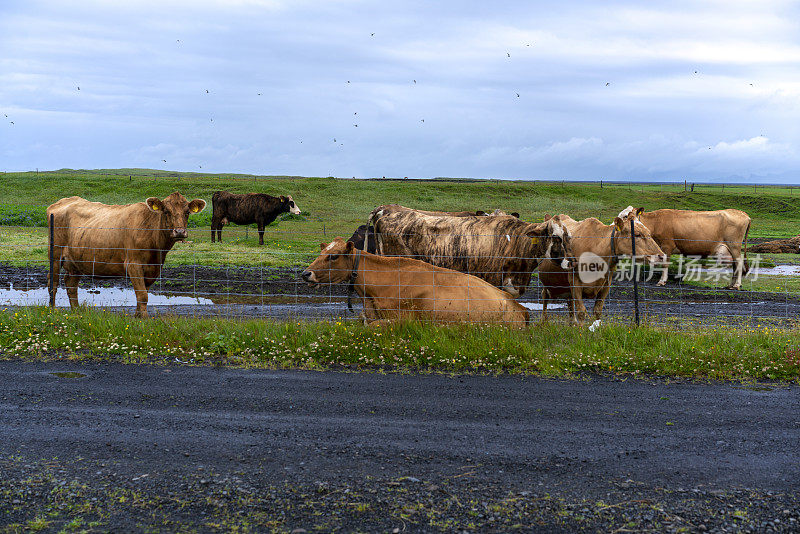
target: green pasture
335 207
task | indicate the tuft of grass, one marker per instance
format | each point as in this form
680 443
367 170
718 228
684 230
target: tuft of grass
546 349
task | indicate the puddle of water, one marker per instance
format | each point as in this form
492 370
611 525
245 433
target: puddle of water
778 270
105 296
68 374
535 306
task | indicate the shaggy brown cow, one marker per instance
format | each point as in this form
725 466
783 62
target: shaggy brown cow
397 207
699 233
502 250
402 288
248 208
779 246
131 240
595 248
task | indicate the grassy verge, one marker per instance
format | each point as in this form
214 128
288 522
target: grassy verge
548 350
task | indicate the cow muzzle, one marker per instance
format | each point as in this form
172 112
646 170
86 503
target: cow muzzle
309 278
179 233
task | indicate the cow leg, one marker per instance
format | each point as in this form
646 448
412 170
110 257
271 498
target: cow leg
213 229
738 268
136 275
579 309
600 299
71 282
665 266
545 299
261 233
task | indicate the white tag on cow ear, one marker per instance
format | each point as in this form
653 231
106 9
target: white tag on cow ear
508 237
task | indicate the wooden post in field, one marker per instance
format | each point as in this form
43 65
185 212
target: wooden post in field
754 188
601 184
635 277
684 186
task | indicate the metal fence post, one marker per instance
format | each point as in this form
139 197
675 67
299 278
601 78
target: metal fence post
635 277
52 255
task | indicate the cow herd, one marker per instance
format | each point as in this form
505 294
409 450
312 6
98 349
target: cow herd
467 266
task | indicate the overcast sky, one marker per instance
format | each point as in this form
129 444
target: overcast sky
707 91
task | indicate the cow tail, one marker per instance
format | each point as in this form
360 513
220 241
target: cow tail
746 266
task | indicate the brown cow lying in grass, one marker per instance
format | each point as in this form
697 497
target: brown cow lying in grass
393 288
130 240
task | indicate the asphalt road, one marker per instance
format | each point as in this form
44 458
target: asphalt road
573 438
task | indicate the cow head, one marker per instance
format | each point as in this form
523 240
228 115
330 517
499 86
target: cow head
288 203
556 239
175 211
334 264
646 247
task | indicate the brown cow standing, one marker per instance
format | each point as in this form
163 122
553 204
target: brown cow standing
130 240
699 233
595 248
502 250
248 208
395 288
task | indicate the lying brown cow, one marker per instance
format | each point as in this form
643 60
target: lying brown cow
401 288
699 233
596 248
131 240
502 250
248 208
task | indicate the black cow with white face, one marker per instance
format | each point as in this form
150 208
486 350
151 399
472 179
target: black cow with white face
248 208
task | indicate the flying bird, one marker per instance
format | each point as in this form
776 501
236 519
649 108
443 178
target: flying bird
259 94
356 125
372 34
608 83
164 160
508 54
79 88
334 139
517 95
422 120
415 81
206 90
348 81
12 122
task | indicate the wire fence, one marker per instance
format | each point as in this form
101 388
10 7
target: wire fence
249 281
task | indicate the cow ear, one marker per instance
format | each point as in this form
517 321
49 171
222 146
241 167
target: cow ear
515 214
284 199
197 205
547 217
480 213
537 230
639 211
618 223
349 247
155 204
323 245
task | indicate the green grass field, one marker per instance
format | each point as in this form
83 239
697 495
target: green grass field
545 349
337 206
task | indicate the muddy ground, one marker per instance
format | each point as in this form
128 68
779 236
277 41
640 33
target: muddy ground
278 293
